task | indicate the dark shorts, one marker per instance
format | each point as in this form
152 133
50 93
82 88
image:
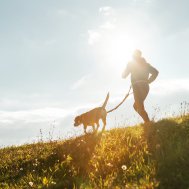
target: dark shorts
140 91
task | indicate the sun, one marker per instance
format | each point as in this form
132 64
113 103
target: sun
120 47
115 50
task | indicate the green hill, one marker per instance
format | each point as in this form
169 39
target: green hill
133 157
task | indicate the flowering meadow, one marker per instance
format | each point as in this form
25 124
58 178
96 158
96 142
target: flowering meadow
138 157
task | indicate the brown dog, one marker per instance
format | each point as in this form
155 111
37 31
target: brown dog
92 117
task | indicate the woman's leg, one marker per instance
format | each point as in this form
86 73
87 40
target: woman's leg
140 94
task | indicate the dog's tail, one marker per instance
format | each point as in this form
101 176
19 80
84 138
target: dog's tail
106 100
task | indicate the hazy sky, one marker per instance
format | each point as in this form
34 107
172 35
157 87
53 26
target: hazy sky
60 58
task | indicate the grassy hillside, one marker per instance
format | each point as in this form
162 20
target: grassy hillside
134 157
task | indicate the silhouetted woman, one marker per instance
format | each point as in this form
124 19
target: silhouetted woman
142 74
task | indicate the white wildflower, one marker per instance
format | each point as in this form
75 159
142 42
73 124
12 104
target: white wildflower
31 184
124 167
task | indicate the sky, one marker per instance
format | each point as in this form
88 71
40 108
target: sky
59 59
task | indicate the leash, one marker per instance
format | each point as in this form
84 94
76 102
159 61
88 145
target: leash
121 101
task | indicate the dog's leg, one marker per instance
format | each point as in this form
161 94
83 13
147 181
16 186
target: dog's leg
85 127
98 125
93 128
104 122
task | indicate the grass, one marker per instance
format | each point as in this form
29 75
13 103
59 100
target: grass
134 157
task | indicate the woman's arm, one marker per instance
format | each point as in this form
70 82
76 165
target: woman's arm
154 73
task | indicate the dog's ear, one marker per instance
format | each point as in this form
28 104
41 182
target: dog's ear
77 121
81 117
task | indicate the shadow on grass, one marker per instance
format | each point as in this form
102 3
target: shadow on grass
80 151
168 142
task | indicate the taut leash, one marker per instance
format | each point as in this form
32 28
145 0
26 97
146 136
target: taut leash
121 101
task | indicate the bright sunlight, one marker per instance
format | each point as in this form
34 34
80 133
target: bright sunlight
114 47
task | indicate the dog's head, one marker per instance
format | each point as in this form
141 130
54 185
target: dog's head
77 121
